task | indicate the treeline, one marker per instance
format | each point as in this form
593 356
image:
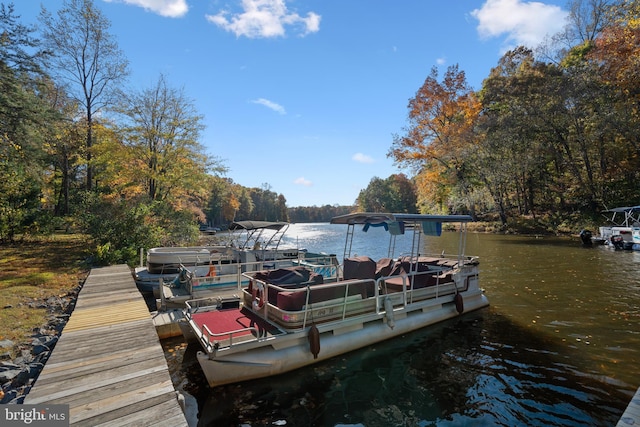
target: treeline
318 213
80 151
553 132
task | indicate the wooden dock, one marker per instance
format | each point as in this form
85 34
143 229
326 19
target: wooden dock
631 415
108 364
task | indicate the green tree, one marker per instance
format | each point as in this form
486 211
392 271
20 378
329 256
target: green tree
267 205
395 194
64 144
22 118
374 197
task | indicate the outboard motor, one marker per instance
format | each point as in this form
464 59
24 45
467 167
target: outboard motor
585 236
617 242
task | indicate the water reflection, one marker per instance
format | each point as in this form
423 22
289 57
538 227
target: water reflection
558 346
479 369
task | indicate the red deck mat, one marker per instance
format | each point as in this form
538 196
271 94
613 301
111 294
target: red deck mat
233 319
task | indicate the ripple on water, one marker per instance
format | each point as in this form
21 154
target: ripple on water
494 367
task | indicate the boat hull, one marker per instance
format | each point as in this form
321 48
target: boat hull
294 351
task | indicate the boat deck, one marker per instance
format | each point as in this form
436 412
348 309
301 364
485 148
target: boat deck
108 364
234 324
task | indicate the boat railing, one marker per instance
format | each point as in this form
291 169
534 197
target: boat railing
416 286
443 256
309 302
209 303
294 307
216 272
212 340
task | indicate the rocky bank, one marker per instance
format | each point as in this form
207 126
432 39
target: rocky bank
19 373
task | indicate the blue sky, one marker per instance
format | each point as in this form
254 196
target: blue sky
305 96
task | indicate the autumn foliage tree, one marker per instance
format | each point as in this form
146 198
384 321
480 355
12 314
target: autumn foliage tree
540 138
154 158
439 139
162 131
617 55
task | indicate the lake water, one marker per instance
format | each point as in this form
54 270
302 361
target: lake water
557 347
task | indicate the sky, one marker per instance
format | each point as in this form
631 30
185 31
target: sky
305 97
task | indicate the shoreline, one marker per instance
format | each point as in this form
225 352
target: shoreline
18 374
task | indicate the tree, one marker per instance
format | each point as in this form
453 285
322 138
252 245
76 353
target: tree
373 198
267 205
214 212
164 156
440 136
23 116
403 194
87 57
63 141
616 59
395 194
153 169
617 53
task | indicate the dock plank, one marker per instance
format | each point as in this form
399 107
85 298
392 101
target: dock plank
108 364
631 416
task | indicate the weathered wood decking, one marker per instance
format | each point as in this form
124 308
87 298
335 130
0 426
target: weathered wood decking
631 415
108 364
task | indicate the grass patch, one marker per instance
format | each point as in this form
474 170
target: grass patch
31 272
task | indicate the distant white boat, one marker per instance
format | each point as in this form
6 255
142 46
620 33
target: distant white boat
622 230
249 243
288 318
230 281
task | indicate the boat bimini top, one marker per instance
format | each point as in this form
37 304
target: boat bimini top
254 233
396 223
377 218
630 214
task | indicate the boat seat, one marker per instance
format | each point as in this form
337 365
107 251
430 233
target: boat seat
449 263
384 267
295 300
420 264
283 276
394 284
360 267
287 278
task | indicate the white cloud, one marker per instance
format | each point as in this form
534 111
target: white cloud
167 8
362 158
263 19
441 61
270 104
303 181
523 23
